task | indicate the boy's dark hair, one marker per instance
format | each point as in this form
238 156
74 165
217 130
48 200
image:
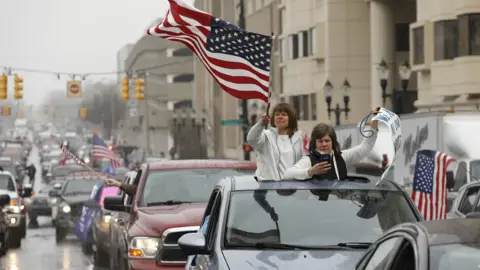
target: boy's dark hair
292 117
320 131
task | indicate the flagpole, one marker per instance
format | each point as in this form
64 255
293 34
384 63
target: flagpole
244 102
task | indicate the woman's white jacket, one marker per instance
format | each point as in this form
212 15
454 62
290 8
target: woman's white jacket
353 155
264 142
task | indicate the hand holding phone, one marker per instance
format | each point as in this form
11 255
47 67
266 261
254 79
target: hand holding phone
319 168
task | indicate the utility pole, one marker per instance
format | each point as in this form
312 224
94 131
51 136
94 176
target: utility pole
147 118
244 103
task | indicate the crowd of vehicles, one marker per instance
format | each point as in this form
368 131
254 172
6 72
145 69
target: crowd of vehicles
214 214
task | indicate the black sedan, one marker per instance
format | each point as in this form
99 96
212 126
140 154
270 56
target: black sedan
434 245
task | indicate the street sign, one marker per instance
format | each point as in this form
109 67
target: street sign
74 89
233 122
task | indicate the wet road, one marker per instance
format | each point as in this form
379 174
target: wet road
39 250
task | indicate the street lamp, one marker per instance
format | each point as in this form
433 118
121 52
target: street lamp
383 73
405 72
328 89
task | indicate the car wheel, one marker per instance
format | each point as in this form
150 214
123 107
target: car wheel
15 239
59 235
101 258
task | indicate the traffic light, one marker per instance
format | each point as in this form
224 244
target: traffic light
125 88
18 88
3 87
139 89
83 112
6 111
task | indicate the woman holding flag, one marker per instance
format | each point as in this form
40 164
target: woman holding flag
326 160
279 147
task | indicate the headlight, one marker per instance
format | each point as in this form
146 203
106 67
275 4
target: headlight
66 208
14 210
143 247
87 160
53 200
106 219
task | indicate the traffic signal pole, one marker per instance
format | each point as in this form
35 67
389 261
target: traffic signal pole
244 103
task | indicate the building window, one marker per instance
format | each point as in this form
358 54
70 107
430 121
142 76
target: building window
304 106
295 101
402 37
313 106
283 50
249 7
446 40
313 41
293 46
418 46
305 41
474 34
282 20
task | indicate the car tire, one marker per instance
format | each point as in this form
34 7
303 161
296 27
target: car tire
101 258
59 235
15 239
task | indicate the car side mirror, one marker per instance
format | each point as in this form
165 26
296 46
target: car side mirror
450 180
4 199
54 193
193 244
57 186
115 203
473 215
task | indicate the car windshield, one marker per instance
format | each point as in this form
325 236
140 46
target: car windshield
455 256
6 182
183 185
5 162
64 171
327 217
79 186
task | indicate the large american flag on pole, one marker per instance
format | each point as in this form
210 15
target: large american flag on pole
100 150
238 60
430 183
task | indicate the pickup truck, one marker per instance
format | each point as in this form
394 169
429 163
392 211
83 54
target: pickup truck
169 202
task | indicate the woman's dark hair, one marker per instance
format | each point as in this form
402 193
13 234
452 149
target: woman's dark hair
292 117
320 131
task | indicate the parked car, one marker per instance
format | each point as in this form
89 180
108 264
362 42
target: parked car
433 245
296 224
4 231
170 201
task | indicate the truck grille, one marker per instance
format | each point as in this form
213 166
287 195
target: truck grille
169 251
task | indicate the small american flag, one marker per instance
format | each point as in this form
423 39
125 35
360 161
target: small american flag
67 155
100 150
430 183
238 60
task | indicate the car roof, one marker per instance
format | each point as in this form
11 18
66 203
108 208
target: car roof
450 231
202 163
355 181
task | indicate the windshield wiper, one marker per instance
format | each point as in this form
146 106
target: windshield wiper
266 245
360 245
169 202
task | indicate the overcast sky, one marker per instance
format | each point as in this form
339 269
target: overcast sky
74 36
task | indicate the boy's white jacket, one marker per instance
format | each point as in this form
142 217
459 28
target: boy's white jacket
351 156
263 142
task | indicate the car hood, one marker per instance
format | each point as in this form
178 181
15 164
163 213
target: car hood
304 259
76 199
13 195
153 220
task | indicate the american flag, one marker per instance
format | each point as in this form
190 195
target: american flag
238 60
100 150
430 183
67 155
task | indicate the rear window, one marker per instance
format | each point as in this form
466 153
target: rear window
6 182
192 185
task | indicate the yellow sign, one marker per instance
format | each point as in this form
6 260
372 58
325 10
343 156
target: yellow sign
74 89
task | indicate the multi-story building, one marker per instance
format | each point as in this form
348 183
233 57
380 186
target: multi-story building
167 68
445 42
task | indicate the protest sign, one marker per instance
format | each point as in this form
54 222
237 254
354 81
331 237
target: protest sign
392 121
